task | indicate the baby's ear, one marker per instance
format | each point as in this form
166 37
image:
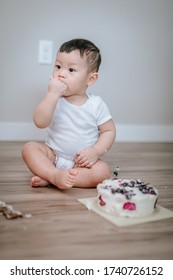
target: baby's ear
93 77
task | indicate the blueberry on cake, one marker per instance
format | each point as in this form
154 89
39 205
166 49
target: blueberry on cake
127 198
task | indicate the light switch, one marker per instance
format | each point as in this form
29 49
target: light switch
45 52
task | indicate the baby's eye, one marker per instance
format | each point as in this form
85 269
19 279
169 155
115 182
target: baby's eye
58 66
71 70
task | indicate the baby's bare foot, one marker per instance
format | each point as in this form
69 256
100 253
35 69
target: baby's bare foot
65 179
36 181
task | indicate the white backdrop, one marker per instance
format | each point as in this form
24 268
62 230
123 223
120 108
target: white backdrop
136 75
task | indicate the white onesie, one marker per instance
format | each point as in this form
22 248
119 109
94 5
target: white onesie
75 128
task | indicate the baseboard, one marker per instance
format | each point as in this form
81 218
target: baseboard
23 131
12 131
145 133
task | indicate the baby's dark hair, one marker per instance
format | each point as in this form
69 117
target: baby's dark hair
87 48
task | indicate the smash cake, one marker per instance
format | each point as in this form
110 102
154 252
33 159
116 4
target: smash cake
127 198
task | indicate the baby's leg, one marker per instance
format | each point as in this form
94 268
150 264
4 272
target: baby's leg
40 160
91 177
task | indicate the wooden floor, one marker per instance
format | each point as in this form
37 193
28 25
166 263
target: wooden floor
62 228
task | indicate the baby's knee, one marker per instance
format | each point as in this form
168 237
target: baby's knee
27 148
106 170
103 171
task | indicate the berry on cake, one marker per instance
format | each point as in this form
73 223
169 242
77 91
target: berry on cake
127 198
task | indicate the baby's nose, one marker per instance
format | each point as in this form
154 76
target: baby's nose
61 73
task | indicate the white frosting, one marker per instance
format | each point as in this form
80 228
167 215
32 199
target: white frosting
128 198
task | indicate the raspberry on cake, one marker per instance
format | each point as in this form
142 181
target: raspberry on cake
127 198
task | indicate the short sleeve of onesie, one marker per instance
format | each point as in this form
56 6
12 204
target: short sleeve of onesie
102 112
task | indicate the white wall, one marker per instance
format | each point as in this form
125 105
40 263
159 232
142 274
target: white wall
136 76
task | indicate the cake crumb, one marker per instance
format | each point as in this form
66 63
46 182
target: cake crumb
28 216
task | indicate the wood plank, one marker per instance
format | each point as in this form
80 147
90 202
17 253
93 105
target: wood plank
62 228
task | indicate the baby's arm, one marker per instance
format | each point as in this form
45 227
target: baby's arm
89 156
44 112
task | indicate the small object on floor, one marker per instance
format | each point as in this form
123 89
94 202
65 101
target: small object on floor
9 212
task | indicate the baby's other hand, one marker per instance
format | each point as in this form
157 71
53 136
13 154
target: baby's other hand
57 86
86 158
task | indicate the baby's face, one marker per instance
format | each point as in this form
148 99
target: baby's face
72 69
